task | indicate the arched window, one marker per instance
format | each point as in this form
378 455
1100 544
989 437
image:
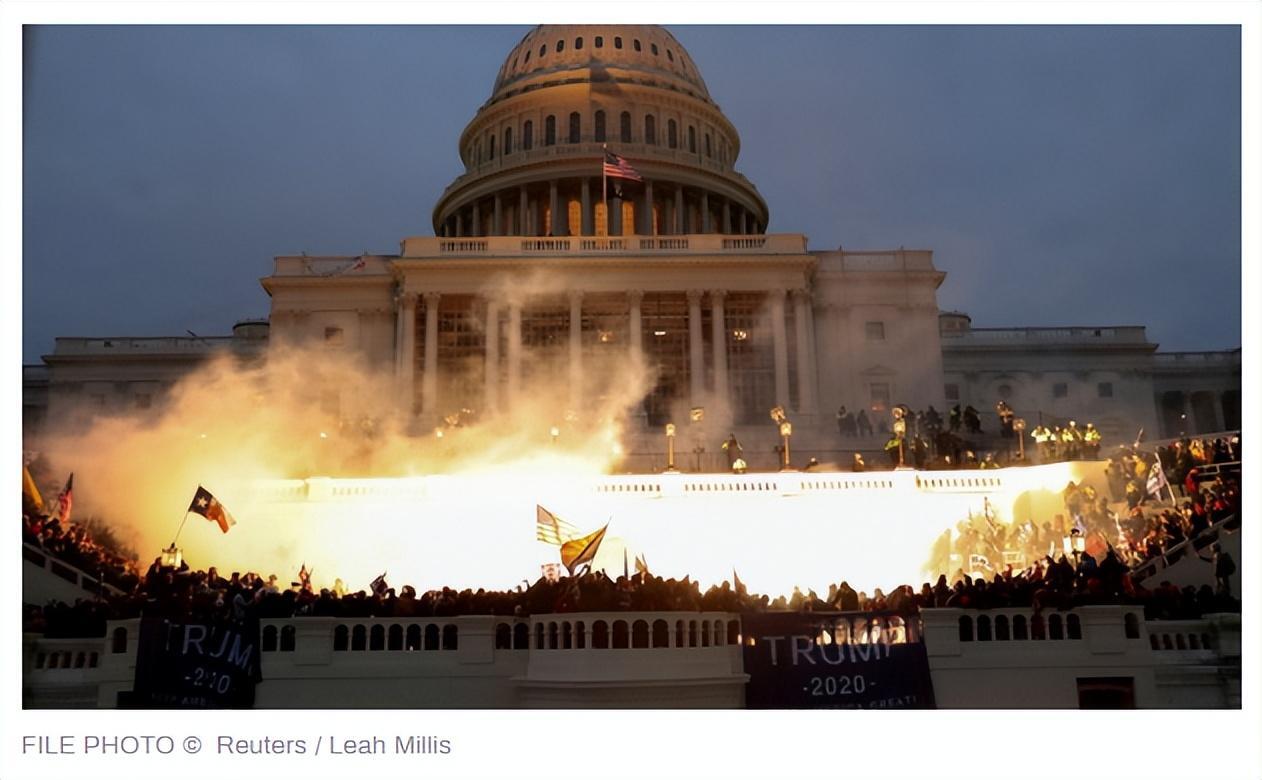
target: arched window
341 638
521 637
543 50
120 641
578 43
983 628
503 637
288 639
553 635
635 44
692 139
477 152
377 638
600 629
620 634
693 639
718 633
1073 627
508 140
526 58
966 628
560 46
600 42
394 639
733 632
550 131
640 634
431 637
269 639
670 55
1036 627
527 136
580 635
567 635
451 637
1019 630
650 129
599 126
576 127
672 134
81 659
1055 627
708 151
490 146
359 638
1001 627
681 638
661 633
653 48
412 638
617 41
625 122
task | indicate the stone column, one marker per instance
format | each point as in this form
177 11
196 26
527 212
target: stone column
635 326
647 220
705 212
429 380
514 352
696 349
679 215
498 228
718 332
576 349
491 397
589 215
727 217
476 220
613 216
805 354
780 344
459 223
523 212
406 351
554 208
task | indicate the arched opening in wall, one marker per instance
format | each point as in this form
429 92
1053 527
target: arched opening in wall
490 146
1001 628
341 638
431 637
1173 416
359 638
640 634
451 637
966 628
1131 625
119 640
600 635
508 140
661 633
580 635
503 637
269 639
527 135
709 151
412 641
521 637
650 129
598 126
377 638
1019 630
550 131
394 639
624 127
576 127
553 635
620 635
692 139
672 134
733 632
288 639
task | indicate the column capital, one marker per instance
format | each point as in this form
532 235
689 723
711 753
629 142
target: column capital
636 297
432 298
694 296
801 294
717 296
404 300
776 294
575 296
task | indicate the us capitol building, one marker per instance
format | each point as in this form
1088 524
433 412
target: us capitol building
541 272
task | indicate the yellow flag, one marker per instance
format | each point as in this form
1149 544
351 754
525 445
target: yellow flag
576 552
30 491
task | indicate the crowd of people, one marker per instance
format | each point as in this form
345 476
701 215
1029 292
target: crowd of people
75 545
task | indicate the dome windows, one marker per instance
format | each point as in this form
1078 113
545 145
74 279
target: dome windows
599 121
599 42
672 134
650 129
508 140
576 127
670 55
625 126
617 41
526 58
709 152
490 146
653 48
578 44
635 44
543 50
560 46
527 136
692 139
550 131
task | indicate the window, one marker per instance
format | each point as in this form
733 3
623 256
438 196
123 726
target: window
952 392
526 58
550 131
333 336
578 43
508 140
617 41
543 50
874 331
528 135
600 125
600 42
880 395
635 44
490 147
575 127
670 55
625 122
653 48
708 151
672 134
692 139
560 46
650 130
1060 390
1104 390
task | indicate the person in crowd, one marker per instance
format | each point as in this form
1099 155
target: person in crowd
972 420
733 449
1006 416
1091 442
857 464
863 426
1224 567
956 417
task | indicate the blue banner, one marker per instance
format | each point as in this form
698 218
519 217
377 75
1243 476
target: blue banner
195 665
835 660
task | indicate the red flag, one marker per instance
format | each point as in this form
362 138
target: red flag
65 500
617 167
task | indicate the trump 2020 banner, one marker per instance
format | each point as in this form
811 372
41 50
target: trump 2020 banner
195 665
843 660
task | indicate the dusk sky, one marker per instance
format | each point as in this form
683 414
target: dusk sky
1062 175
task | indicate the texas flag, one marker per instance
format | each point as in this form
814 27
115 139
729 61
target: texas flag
209 507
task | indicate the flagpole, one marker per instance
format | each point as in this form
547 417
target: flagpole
180 529
604 184
1169 487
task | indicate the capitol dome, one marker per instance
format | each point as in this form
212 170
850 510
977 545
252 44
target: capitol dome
533 153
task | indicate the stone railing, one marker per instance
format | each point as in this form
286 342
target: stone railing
1127 334
531 246
1193 359
140 346
40 558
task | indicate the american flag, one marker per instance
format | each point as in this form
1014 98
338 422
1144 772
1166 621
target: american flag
618 168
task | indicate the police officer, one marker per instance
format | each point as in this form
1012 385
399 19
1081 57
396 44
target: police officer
1091 441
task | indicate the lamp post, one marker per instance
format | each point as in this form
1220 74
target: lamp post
900 431
786 431
556 432
670 447
1018 425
